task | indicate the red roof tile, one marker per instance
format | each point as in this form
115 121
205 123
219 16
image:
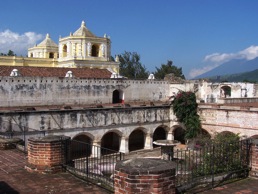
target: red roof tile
55 72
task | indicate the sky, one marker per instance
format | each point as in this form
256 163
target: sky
197 35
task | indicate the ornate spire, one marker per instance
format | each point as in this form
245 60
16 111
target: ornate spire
83 24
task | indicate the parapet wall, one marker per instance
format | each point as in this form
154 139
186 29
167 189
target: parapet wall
236 119
39 91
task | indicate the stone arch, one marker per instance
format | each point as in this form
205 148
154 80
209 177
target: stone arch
179 133
160 133
117 96
81 145
111 142
226 133
205 133
137 139
225 91
64 49
31 54
95 50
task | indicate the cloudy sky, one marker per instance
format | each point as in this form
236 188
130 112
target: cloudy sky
196 35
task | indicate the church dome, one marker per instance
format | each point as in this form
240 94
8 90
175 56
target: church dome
47 42
83 31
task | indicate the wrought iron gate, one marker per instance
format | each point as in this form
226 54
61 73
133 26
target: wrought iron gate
212 165
92 163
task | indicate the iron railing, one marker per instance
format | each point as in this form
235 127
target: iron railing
92 163
211 165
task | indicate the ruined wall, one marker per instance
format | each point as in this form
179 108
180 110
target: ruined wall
242 120
86 119
38 91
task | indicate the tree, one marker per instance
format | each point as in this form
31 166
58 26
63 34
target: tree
11 53
167 69
185 109
131 67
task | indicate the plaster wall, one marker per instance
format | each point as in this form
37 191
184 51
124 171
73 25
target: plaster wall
39 91
216 119
96 122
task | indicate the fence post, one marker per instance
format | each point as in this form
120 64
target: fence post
254 158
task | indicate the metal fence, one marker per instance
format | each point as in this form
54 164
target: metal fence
92 163
212 165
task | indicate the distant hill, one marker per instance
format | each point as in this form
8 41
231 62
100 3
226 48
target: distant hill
232 67
251 76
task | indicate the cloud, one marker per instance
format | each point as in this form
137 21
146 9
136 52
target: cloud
216 59
219 58
195 72
19 43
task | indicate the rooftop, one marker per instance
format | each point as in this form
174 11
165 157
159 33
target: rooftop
55 72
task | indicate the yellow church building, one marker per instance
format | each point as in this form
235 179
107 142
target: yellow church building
81 49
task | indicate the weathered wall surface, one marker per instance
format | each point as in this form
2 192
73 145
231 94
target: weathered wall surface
242 120
93 121
38 91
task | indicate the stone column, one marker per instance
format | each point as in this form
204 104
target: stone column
254 158
96 149
148 141
170 136
84 49
124 145
47 154
142 175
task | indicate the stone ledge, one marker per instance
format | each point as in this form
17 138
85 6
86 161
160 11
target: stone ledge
6 144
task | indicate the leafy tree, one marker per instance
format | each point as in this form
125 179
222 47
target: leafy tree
167 69
10 53
131 67
185 109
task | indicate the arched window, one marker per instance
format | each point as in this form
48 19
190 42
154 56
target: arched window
118 96
65 50
95 51
51 55
31 54
225 91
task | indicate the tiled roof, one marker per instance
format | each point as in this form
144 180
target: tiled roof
55 72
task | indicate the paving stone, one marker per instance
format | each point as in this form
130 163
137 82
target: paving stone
15 179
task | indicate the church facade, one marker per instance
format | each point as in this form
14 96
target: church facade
78 50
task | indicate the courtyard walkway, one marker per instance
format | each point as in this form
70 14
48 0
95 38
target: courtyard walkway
14 179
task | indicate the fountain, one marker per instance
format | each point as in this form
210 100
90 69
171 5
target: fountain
167 148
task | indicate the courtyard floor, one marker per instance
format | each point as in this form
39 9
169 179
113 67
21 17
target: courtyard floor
14 179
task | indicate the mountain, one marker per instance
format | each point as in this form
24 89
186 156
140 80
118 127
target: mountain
232 67
251 76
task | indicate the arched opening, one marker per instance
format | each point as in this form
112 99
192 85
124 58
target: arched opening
95 51
110 141
81 146
225 91
65 50
159 134
136 140
205 133
51 55
117 96
31 54
179 134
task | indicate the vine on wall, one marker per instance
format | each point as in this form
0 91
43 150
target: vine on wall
185 109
